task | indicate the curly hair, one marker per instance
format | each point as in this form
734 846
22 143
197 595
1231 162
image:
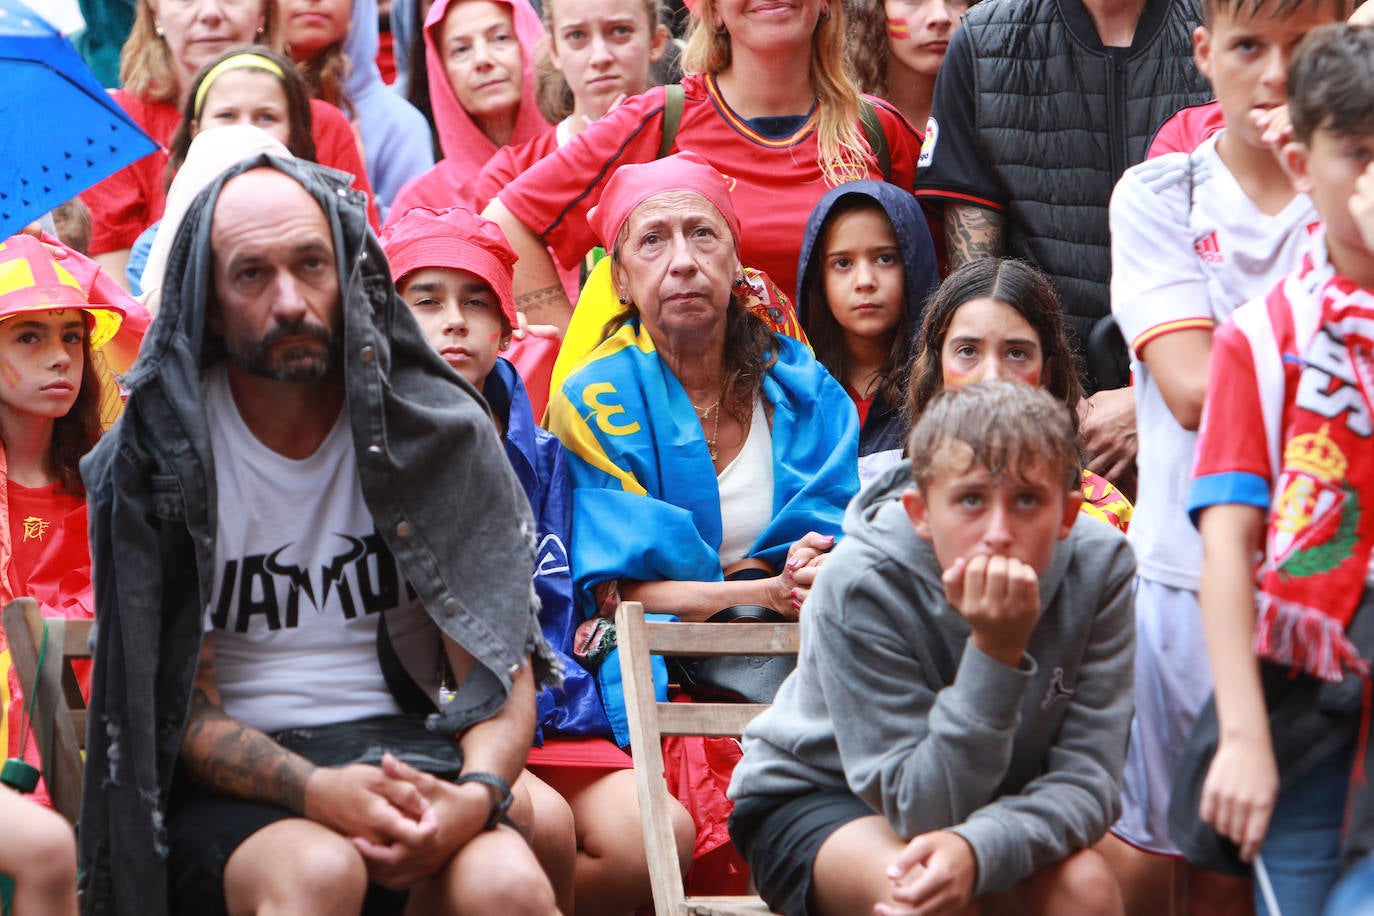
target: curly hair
552 91
146 68
865 45
844 153
751 349
1018 284
300 141
326 73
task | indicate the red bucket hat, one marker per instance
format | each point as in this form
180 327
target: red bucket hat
31 280
455 238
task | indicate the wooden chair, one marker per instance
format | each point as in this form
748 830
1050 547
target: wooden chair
650 721
58 721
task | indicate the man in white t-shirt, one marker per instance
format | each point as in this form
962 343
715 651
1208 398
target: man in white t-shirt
320 505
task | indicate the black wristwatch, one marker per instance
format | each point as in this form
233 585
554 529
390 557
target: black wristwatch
500 803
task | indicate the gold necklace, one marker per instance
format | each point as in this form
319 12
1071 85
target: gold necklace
715 428
703 413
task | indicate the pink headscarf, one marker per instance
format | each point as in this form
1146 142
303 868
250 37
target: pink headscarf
463 142
632 184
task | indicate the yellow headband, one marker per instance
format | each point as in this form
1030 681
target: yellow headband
243 61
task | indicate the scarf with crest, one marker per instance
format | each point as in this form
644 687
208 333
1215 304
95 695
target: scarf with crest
1320 533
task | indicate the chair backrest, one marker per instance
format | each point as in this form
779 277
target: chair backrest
42 650
650 721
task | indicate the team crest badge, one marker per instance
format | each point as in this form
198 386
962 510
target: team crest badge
1316 514
928 145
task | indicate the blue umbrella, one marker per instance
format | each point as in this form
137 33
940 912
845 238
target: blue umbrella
60 132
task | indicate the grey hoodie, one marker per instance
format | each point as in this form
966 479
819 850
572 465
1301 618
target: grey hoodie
889 701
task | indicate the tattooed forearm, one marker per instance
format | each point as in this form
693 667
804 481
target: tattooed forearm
545 306
232 759
972 233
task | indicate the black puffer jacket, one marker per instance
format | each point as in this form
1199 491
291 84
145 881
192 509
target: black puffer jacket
1038 119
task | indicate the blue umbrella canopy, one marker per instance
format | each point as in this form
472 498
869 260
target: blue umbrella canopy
60 132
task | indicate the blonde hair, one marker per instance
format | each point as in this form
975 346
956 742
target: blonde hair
844 153
146 68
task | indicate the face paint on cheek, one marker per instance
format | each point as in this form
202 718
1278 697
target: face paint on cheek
955 379
9 374
897 29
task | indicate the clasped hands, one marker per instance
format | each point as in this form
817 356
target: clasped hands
406 824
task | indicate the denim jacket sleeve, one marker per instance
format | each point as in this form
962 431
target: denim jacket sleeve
146 644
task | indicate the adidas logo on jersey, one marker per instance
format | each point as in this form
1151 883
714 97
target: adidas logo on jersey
1208 249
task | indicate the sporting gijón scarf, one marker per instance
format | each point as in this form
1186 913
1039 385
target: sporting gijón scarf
1321 530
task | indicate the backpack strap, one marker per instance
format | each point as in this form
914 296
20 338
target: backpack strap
877 137
673 98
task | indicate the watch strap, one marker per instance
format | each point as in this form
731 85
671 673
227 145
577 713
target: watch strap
500 805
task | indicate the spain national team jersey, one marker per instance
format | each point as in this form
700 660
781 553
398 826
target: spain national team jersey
774 182
1188 246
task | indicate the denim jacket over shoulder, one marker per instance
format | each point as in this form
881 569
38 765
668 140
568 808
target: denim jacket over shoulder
433 475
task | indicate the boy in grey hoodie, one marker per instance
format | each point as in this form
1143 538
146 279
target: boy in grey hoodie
965 673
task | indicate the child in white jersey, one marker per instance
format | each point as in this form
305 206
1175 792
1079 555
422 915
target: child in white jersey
1193 236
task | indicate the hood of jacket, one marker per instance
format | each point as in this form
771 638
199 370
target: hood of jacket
396 138
361 46
461 137
913 238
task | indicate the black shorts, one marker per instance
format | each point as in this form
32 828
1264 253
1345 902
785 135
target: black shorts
780 835
203 830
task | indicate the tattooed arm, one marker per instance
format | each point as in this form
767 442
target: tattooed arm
973 232
230 758
538 290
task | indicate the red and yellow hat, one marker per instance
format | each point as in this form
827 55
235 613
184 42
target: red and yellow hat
31 280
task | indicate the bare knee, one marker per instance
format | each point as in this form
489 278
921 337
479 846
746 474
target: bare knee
1081 885
521 889
52 855
295 866
496 872
47 868
684 833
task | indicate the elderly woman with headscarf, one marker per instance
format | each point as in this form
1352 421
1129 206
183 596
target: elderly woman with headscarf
702 445
711 459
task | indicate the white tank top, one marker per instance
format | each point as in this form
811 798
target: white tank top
746 491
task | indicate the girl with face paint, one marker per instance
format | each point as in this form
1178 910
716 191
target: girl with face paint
1000 318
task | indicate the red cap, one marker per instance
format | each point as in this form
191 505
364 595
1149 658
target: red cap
631 185
455 238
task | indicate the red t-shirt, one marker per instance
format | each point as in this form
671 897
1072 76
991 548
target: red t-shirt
51 562
132 199
1186 129
774 183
